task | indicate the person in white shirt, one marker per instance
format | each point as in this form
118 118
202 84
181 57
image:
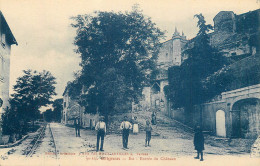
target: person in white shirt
101 132
125 127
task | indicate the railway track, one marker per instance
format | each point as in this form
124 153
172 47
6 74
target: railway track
38 139
54 142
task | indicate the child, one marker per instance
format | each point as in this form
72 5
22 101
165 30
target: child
148 129
199 142
135 126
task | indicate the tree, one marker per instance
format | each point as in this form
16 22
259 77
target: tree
48 115
118 53
185 83
57 109
10 121
32 91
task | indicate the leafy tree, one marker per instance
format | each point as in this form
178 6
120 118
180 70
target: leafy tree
48 115
118 53
57 108
10 121
32 91
203 60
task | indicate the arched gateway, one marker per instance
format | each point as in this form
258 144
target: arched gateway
246 118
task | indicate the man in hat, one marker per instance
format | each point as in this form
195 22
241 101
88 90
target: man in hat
125 126
101 132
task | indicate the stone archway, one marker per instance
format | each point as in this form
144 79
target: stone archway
220 123
246 118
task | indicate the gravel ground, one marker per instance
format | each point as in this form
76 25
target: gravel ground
171 147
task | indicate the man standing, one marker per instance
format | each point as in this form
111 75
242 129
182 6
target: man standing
77 127
125 127
101 132
199 142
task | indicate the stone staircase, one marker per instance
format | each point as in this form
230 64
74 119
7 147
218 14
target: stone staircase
163 122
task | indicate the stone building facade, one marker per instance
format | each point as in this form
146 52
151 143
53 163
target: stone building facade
72 110
6 40
170 54
235 112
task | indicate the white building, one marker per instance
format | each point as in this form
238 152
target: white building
72 110
6 40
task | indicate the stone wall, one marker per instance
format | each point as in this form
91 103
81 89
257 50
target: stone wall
254 121
246 118
177 114
165 53
232 32
208 119
225 21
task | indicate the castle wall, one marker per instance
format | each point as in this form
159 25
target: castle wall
232 32
165 55
177 46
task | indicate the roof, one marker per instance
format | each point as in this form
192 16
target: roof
66 88
8 32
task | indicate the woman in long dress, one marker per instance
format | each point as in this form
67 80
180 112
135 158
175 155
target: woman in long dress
135 126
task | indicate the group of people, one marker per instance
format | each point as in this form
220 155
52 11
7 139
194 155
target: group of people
126 126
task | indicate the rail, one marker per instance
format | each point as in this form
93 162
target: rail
36 144
54 143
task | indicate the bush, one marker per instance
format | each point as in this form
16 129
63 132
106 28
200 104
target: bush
12 123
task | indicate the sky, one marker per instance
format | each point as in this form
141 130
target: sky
45 37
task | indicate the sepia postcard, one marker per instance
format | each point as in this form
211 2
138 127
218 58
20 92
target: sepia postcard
130 82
